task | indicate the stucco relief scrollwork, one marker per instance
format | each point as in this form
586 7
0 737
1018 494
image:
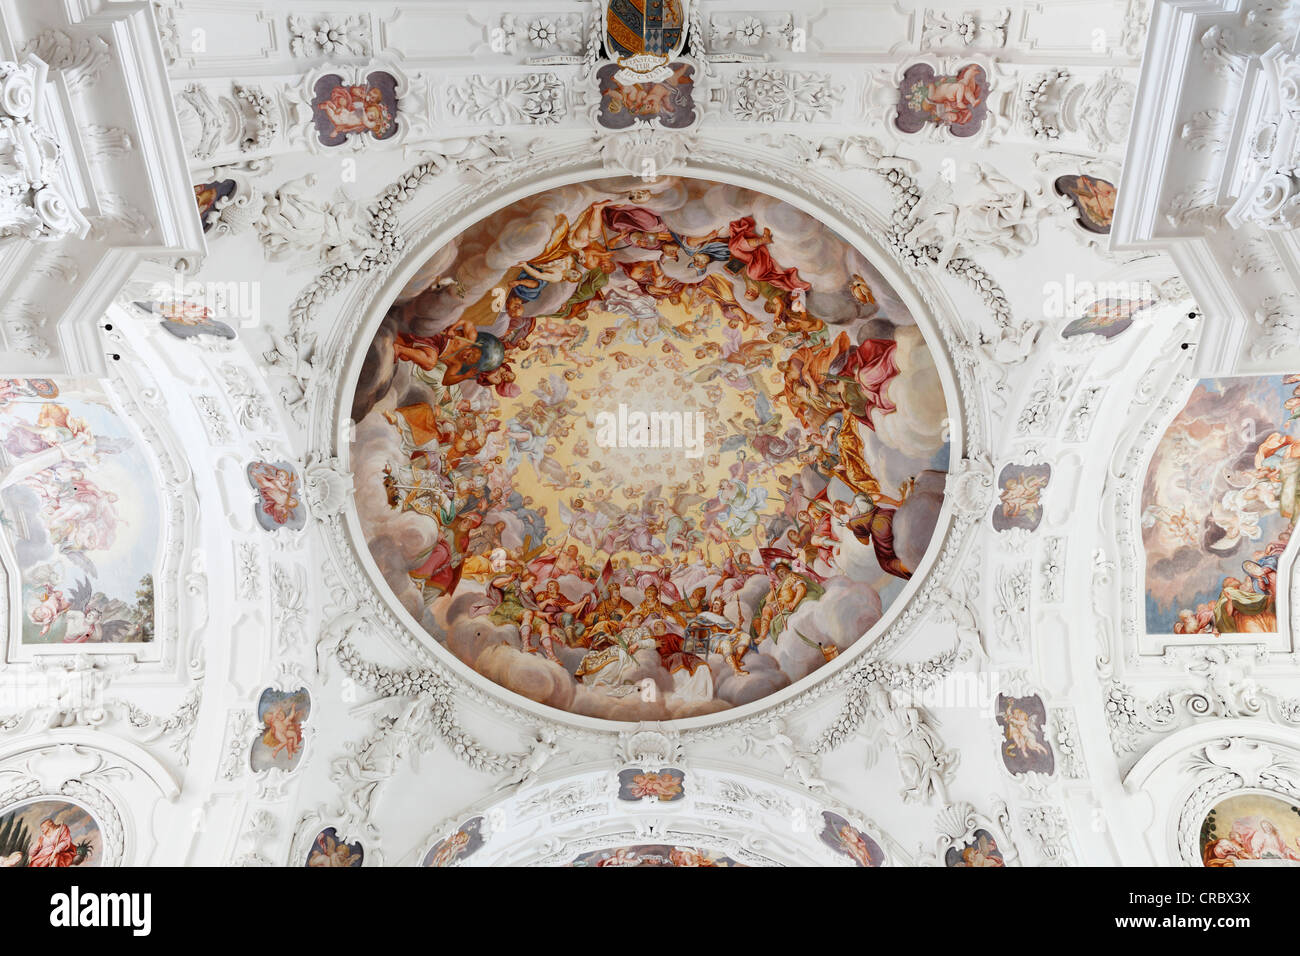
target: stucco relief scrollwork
538 99
544 36
768 95
980 210
80 58
33 203
1223 687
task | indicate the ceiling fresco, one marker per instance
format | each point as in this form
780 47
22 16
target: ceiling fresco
1252 829
49 833
81 512
648 452
657 855
1219 506
850 433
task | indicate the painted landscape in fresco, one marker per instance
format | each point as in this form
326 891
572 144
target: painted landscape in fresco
81 513
644 452
1251 830
1218 507
51 833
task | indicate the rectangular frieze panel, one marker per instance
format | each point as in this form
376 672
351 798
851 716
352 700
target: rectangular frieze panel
222 35
862 29
1078 28
436 33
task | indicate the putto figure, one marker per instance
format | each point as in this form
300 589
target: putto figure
341 110
279 504
957 101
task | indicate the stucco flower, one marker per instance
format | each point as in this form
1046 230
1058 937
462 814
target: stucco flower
749 31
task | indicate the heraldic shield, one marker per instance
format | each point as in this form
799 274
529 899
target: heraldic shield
644 35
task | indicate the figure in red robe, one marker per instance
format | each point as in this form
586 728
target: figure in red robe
54 847
877 528
635 225
750 248
872 366
673 655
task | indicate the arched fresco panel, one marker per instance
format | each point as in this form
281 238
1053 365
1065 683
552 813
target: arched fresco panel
1218 507
81 514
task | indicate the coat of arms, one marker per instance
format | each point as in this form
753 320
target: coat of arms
644 36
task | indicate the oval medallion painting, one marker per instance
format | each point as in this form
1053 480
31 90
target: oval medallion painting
49 833
1252 829
648 452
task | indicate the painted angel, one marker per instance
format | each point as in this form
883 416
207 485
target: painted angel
740 510
94 618
1022 732
283 729
949 99
278 489
1021 496
49 607
585 526
329 850
357 109
84 518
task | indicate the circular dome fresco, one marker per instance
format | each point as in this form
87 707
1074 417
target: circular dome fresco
648 452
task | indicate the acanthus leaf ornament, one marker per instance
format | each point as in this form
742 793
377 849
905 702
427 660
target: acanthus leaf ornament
536 99
770 95
81 59
329 35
